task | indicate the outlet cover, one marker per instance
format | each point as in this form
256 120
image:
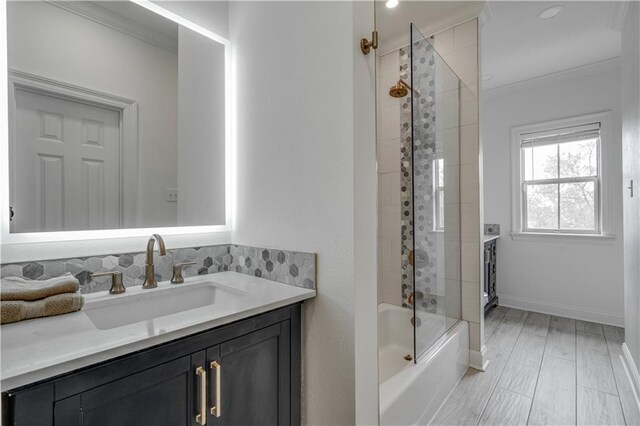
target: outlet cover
491 229
171 195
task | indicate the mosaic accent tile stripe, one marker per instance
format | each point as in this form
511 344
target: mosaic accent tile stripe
288 267
418 152
293 268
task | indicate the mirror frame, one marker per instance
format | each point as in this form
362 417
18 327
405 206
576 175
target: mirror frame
18 241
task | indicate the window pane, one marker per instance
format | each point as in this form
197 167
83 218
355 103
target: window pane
545 162
542 206
440 224
579 159
577 206
528 163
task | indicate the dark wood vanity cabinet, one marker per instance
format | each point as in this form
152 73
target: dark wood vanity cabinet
490 258
255 364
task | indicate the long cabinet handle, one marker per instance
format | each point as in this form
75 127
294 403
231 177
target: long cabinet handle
201 418
216 410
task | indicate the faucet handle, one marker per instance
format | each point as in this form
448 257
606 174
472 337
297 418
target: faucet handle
116 281
177 272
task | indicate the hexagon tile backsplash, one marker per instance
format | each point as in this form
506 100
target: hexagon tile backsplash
288 267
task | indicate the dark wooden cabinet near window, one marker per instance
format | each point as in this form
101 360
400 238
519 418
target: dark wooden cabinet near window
253 363
490 256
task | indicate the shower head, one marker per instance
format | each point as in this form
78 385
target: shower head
398 90
401 89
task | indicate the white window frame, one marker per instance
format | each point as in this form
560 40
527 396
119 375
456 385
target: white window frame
604 181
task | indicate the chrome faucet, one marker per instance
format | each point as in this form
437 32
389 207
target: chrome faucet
149 269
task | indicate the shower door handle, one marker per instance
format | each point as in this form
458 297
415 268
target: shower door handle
410 257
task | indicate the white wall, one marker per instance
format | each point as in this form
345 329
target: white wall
294 70
581 280
212 15
631 170
60 45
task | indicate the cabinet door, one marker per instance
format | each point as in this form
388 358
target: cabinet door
487 269
255 378
161 395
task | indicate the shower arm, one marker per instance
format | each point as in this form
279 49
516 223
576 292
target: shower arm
408 86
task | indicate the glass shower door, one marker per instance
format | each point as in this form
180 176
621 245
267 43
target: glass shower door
435 188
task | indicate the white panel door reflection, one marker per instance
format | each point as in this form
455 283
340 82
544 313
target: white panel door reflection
69 157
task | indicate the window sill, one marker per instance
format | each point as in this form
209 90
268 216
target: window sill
563 238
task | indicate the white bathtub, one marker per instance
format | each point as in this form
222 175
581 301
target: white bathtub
411 393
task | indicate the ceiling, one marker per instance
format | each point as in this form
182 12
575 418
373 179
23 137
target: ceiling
428 16
518 46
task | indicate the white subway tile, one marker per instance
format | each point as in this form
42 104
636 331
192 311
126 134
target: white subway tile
471 301
384 189
465 35
389 122
389 156
470 268
469 140
395 187
443 41
395 254
475 336
464 63
469 183
470 223
468 106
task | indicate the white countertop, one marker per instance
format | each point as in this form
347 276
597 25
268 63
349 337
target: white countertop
488 238
41 348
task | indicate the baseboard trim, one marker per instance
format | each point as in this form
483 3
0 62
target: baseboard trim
561 310
478 359
632 373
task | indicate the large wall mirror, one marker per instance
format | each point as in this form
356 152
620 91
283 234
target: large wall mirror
118 118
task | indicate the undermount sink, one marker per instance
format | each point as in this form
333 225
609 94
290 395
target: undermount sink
144 305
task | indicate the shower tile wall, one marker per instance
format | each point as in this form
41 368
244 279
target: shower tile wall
388 144
459 48
436 137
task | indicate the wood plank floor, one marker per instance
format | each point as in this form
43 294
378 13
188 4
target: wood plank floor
544 370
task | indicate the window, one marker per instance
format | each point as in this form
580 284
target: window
558 177
438 193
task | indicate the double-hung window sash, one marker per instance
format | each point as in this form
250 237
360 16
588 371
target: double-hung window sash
560 180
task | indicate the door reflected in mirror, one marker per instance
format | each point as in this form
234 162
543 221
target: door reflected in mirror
116 119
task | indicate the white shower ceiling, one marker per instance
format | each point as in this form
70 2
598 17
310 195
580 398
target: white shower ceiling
428 16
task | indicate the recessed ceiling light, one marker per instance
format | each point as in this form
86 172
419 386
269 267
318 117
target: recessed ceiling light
392 3
550 12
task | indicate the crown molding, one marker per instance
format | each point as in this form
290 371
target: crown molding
100 15
465 15
556 77
617 13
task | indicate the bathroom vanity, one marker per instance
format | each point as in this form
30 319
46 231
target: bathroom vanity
231 361
490 257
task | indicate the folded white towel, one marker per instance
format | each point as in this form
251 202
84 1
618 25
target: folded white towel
18 288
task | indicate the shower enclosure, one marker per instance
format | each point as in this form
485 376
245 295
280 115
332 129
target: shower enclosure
430 192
